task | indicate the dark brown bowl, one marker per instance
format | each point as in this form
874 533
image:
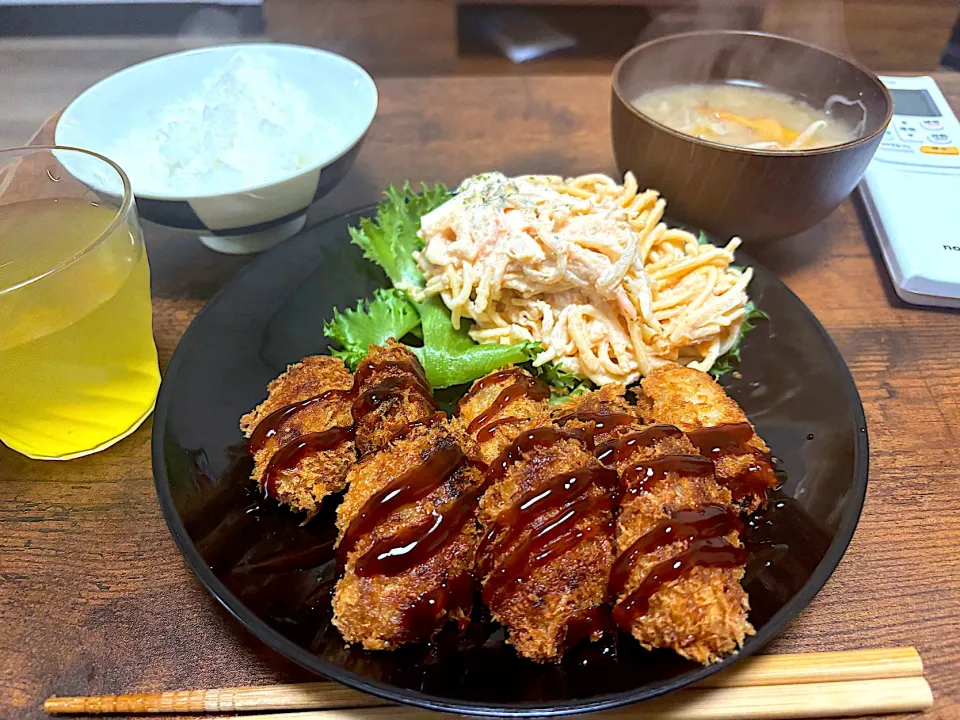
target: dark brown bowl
756 194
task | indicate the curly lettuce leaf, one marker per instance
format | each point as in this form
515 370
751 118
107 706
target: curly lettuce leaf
555 376
563 385
731 359
389 315
390 239
449 356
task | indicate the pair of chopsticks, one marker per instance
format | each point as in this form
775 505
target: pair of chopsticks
830 684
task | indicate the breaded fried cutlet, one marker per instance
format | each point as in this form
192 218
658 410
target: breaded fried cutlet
386 596
548 542
606 406
694 402
679 586
598 417
392 391
700 613
687 398
317 474
498 406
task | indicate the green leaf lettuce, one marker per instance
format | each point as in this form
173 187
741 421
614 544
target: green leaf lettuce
389 315
449 355
563 385
390 238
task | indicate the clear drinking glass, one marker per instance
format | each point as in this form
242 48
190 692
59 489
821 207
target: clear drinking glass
78 365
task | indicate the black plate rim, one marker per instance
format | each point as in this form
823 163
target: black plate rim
260 629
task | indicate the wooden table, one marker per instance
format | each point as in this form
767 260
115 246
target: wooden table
95 597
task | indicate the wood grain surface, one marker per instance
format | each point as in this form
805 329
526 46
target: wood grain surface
95 598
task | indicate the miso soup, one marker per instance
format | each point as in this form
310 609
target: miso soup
745 116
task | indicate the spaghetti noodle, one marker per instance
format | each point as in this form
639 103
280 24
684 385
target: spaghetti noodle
586 267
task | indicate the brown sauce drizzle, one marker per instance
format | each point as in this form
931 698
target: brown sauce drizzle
721 438
587 624
426 422
270 425
552 540
757 478
703 552
620 449
491 379
526 441
293 452
689 525
370 400
603 422
368 367
557 494
416 544
288 456
523 386
488 431
421 618
731 439
641 476
409 487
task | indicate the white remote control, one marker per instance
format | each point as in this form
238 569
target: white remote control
912 193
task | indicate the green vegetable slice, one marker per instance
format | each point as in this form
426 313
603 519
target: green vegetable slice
451 357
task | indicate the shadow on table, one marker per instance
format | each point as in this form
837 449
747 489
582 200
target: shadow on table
797 251
183 268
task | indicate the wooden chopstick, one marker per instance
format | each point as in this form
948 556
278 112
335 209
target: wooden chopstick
770 702
794 668
771 686
303 696
767 702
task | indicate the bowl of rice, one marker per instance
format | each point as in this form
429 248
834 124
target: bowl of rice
232 142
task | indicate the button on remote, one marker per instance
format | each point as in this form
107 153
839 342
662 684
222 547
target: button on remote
907 133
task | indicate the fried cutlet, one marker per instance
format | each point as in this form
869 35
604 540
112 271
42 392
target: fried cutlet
701 614
383 604
317 474
548 542
608 400
693 401
392 392
493 424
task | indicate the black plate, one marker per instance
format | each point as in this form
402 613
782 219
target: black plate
275 576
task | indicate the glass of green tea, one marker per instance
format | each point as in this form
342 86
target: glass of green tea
78 365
